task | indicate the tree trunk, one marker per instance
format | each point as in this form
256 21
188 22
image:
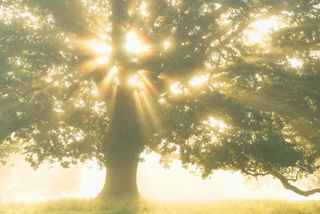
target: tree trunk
123 142
122 147
121 180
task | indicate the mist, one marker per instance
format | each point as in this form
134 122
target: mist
20 183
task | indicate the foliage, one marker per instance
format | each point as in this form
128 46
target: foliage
256 111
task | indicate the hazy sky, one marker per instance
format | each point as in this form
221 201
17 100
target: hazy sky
19 182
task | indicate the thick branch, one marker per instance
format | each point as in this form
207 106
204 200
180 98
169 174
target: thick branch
293 188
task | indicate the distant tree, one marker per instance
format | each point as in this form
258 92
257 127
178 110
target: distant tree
218 84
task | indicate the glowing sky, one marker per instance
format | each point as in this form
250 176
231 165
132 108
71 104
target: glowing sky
21 183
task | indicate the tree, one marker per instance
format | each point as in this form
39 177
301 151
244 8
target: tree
219 84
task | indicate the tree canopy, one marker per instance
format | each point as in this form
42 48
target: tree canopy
219 84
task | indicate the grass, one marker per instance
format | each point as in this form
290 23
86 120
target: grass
224 207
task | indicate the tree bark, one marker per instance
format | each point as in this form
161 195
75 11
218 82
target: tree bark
123 142
121 180
122 147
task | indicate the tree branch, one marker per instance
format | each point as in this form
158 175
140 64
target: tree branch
293 188
254 174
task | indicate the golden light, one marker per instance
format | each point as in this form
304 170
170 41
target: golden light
176 88
176 3
295 63
116 81
113 71
103 60
198 81
136 82
109 80
134 44
162 101
147 83
100 47
143 93
224 19
143 8
94 91
166 45
100 51
258 31
220 125
140 110
315 54
146 102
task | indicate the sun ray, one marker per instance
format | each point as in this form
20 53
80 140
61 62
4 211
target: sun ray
147 104
136 83
97 51
143 93
140 110
109 82
112 100
99 47
149 86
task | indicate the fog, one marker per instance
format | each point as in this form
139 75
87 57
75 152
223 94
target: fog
20 183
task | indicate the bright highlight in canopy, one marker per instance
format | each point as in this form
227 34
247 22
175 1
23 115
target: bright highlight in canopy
259 30
134 44
295 63
220 125
136 82
198 81
100 47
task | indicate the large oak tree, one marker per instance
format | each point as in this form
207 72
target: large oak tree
219 84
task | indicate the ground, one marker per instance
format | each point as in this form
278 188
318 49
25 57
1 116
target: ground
225 207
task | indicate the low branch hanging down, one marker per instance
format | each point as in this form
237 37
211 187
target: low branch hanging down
285 182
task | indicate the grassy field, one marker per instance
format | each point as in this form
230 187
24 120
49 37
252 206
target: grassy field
226 207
